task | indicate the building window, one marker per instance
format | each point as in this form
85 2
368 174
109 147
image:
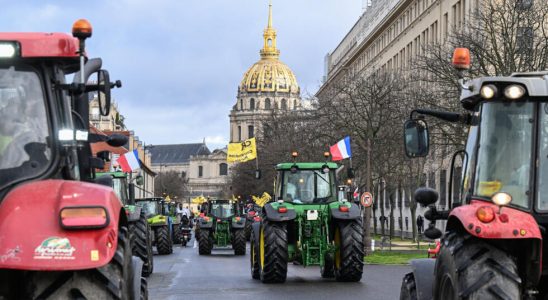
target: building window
267 103
284 104
294 104
200 171
223 169
251 131
239 133
241 104
252 104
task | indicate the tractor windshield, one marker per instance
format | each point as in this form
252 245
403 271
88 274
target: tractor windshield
149 207
120 188
222 210
24 150
306 186
505 148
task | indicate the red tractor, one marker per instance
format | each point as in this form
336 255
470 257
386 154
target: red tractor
492 244
62 235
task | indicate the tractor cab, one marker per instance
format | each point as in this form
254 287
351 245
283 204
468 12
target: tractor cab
151 206
222 209
500 214
306 183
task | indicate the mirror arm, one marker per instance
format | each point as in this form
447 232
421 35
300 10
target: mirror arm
443 115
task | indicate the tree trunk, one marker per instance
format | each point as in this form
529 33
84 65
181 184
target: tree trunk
413 208
381 206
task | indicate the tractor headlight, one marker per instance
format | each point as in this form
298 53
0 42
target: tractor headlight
514 91
7 50
488 91
501 199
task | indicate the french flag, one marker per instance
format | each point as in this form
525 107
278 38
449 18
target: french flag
341 150
129 161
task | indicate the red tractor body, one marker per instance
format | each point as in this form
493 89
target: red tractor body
30 216
63 232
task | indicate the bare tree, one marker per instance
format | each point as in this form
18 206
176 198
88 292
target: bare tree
170 183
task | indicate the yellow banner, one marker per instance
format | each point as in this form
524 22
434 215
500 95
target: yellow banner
199 200
261 201
241 152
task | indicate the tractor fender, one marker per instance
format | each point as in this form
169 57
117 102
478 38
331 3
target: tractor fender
30 226
136 276
272 214
203 224
518 225
238 224
133 213
352 213
423 271
256 230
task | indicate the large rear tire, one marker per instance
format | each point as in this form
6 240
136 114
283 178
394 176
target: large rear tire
163 240
349 253
239 242
470 268
408 287
328 268
113 281
254 258
141 243
204 242
273 252
176 234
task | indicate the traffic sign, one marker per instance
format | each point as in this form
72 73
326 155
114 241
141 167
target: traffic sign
366 199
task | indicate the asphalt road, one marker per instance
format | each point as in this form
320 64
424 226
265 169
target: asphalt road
187 275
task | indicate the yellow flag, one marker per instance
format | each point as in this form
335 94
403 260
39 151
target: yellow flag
241 152
261 201
199 200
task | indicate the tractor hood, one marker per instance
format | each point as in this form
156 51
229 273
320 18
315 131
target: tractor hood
31 235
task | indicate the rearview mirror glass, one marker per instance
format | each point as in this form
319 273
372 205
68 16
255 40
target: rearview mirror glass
103 92
139 180
416 138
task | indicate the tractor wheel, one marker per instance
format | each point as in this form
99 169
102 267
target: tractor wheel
141 243
408 287
273 252
176 234
239 242
349 252
112 281
204 242
328 268
254 258
163 240
470 268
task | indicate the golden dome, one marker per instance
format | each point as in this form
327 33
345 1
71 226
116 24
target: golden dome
269 74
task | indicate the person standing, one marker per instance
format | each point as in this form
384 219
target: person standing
420 223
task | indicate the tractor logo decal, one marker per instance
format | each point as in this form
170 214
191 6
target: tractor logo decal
54 248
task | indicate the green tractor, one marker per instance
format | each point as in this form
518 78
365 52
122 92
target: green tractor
161 223
307 224
140 233
222 226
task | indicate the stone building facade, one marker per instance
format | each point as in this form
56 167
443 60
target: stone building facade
389 35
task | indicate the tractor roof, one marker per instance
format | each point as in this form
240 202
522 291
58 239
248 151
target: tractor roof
536 84
113 174
306 165
39 44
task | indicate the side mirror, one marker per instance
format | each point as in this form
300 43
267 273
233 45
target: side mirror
103 92
416 138
426 196
139 180
117 140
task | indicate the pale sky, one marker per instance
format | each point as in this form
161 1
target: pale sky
181 61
